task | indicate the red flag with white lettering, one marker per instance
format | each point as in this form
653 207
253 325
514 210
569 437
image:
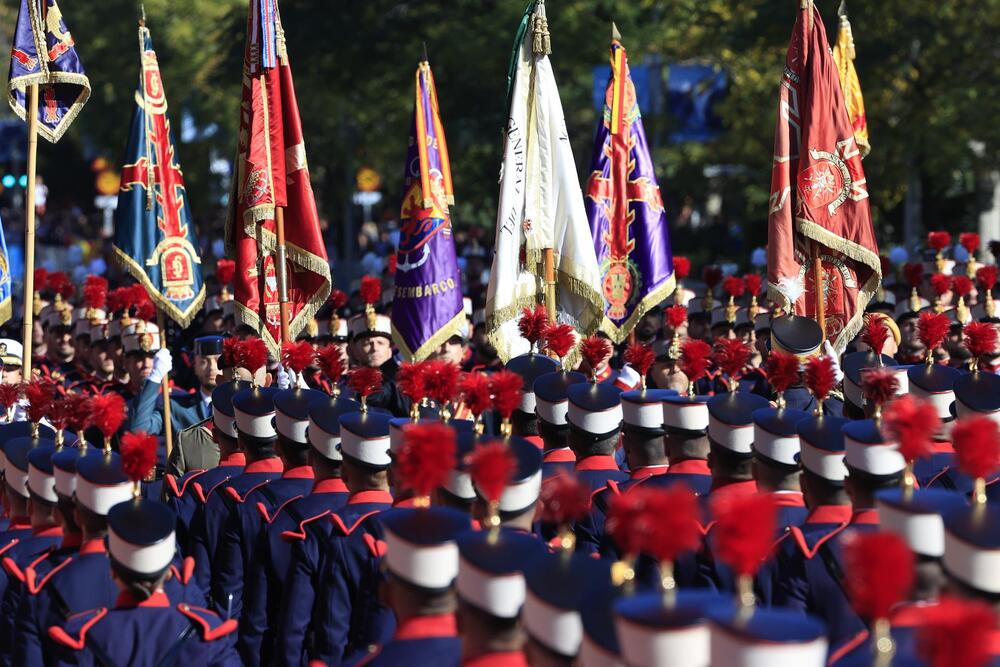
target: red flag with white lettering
818 191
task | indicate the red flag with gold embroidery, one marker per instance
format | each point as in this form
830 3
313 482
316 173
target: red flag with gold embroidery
818 191
271 172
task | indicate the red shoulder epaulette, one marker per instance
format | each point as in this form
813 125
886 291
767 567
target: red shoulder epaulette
268 518
200 491
375 546
79 624
210 624
800 539
172 482
339 523
235 495
185 573
291 535
7 546
36 585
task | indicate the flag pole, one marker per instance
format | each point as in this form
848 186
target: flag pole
817 267
168 426
29 232
279 220
550 283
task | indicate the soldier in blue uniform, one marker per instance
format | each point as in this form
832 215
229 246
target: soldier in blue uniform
490 591
421 562
776 469
530 367
319 619
685 423
643 442
594 415
935 384
551 405
62 585
186 493
519 501
256 437
144 625
309 420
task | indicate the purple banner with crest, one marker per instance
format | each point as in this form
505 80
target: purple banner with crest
627 218
427 306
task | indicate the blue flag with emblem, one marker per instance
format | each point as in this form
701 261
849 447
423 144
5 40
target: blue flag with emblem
44 53
154 234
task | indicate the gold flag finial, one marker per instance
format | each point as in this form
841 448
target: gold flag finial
615 35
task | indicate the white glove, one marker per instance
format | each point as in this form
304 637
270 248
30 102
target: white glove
283 378
21 410
300 381
830 352
163 363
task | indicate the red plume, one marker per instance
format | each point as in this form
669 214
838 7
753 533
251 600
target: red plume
117 300
297 356
673 522
364 381
744 530
10 394
40 394
426 457
410 378
559 339
371 290
78 407
980 338
331 363
145 309
961 285
969 241
881 567
338 299
676 316
492 467
820 376
225 271
505 386
938 240
940 283
41 278
532 323
627 522
734 286
640 357
231 351
912 423
731 355
914 272
694 358
565 500
986 276
753 282
475 388
95 292
252 354
59 283
138 451
107 413
682 267
932 328
782 370
977 446
879 385
875 333
956 633
60 412
711 275
441 380
595 350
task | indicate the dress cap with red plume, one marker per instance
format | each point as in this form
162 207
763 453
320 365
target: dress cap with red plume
507 472
532 324
882 573
730 420
426 458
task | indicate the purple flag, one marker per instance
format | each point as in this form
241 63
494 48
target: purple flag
427 303
44 53
627 219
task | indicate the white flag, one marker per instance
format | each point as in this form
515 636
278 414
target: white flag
541 205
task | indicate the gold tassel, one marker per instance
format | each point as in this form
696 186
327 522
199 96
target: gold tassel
541 45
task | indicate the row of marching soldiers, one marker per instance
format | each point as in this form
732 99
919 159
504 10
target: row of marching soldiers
533 515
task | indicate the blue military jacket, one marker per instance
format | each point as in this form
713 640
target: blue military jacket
423 640
191 491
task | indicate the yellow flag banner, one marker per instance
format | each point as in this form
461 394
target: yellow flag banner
843 57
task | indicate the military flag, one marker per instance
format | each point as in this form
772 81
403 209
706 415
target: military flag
843 58
44 53
541 205
271 180
154 233
627 219
427 306
819 195
6 281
